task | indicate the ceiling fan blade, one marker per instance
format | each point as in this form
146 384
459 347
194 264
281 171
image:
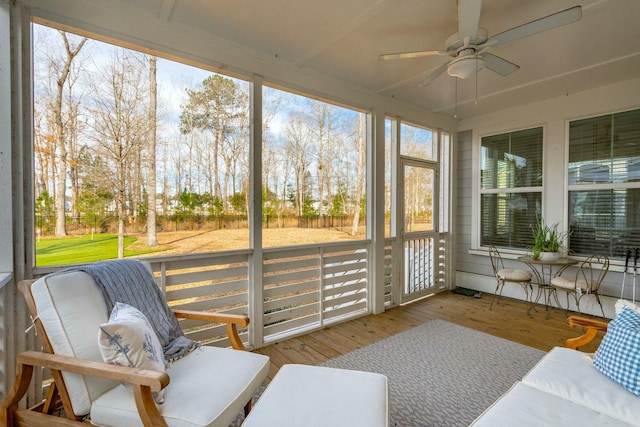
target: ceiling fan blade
434 75
539 25
406 55
468 18
499 65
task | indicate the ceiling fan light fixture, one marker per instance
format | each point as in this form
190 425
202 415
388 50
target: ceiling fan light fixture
465 66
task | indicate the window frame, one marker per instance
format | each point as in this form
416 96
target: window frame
476 187
594 186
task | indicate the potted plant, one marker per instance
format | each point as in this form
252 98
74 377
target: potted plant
547 240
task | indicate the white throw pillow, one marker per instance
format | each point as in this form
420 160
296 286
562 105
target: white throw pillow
129 340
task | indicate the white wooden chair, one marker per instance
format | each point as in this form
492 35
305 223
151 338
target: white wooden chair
208 387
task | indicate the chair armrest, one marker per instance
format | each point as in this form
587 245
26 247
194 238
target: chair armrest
593 326
231 320
237 319
154 379
143 381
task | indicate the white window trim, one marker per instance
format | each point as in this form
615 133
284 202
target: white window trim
476 140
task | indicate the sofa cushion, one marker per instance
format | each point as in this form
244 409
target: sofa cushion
526 406
72 328
128 339
570 374
618 356
231 376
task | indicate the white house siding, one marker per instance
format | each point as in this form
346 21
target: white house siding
473 269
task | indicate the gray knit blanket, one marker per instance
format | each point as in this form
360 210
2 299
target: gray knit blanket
130 282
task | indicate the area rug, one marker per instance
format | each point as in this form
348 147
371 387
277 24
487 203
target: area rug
441 374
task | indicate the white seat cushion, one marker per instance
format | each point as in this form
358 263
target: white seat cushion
513 275
570 283
72 328
570 374
314 396
525 406
208 387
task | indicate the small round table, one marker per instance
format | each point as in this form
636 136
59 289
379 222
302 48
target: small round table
544 277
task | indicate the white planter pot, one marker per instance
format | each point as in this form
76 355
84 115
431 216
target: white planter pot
549 256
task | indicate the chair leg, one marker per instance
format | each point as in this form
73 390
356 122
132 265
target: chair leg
600 303
498 288
553 291
526 291
575 296
248 407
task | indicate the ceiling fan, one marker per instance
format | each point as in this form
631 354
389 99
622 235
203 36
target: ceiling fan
467 46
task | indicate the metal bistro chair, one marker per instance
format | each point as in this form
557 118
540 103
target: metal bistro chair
507 275
587 280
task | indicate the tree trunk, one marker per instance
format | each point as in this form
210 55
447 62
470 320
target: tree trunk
61 148
360 176
152 239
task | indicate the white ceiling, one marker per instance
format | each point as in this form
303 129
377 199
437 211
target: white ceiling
343 38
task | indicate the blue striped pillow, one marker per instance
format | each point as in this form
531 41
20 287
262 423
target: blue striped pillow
618 356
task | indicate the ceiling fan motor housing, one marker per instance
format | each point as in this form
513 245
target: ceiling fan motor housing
455 45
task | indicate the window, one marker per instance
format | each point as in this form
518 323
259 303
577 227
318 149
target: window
314 170
511 187
417 142
103 143
604 184
125 123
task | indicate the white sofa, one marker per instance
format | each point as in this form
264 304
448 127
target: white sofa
564 389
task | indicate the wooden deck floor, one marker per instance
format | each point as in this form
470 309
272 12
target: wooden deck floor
508 320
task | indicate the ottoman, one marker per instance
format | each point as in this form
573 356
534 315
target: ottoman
315 396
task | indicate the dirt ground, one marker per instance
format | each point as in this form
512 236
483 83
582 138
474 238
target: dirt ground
184 242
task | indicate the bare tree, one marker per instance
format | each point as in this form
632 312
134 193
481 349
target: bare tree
62 70
120 125
297 149
212 108
235 152
152 238
327 147
273 101
360 141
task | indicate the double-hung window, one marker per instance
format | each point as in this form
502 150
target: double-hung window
510 187
604 184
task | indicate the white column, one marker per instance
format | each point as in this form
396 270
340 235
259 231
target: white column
6 216
255 217
375 209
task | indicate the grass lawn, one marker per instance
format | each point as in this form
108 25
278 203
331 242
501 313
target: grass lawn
74 250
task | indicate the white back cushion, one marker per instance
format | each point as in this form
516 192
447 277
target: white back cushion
71 309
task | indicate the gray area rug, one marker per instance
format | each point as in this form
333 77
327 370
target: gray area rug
440 374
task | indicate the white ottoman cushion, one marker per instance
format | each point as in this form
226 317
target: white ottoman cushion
314 396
